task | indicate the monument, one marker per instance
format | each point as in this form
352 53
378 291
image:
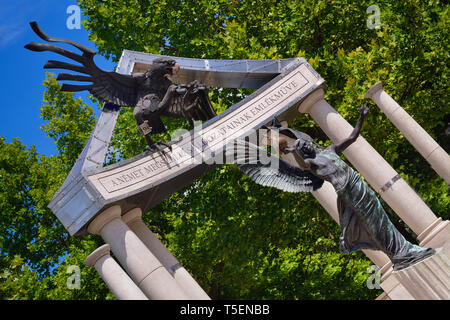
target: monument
109 200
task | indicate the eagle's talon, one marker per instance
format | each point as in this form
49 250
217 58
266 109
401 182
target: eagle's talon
159 146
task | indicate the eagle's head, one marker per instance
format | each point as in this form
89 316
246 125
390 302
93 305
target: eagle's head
163 67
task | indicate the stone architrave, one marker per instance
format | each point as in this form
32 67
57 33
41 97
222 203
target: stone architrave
115 278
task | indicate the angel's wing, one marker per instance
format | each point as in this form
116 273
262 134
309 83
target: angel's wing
109 86
268 170
191 99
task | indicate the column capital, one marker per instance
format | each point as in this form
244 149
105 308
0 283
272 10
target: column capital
132 215
98 253
312 98
103 218
374 89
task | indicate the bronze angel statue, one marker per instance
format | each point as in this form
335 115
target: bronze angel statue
152 94
364 223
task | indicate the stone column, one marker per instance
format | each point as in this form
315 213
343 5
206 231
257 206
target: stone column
431 231
142 266
115 278
413 132
133 219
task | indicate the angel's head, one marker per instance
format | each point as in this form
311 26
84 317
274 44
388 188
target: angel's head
164 66
304 146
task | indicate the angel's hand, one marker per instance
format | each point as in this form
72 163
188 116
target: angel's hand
363 110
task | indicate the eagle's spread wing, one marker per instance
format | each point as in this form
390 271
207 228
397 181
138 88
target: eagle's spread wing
191 100
268 170
109 86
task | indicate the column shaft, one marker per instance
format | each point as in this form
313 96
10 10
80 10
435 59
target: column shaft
413 132
143 267
115 278
192 289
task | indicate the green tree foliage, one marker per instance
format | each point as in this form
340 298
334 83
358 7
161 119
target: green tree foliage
69 121
35 249
239 240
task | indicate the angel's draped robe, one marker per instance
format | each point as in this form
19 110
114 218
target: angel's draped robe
365 224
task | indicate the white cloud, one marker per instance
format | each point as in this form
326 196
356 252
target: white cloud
8 34
15 16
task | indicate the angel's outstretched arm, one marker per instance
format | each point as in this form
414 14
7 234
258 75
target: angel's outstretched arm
341 146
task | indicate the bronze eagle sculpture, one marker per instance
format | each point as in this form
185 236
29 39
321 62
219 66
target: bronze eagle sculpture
152 94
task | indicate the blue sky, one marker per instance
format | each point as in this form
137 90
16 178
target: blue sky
22 74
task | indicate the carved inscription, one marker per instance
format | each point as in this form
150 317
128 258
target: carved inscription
198 145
